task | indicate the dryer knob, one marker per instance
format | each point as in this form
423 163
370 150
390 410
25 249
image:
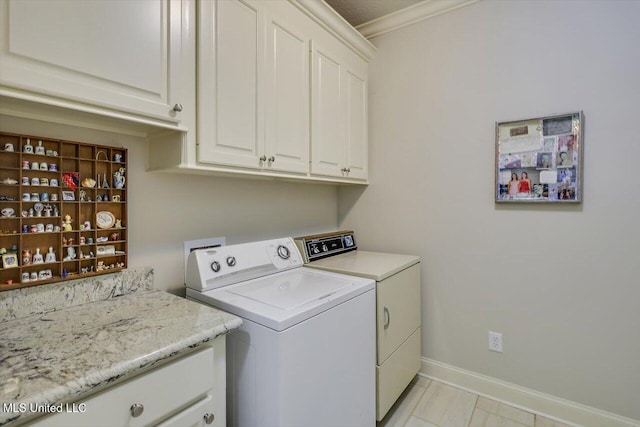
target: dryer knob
283 252
231 261
215 266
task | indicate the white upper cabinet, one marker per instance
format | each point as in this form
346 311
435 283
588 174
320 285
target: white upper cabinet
121 56
230 70
253 79
338 111
287 84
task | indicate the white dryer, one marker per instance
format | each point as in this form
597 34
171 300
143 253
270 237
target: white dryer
305 354
397 305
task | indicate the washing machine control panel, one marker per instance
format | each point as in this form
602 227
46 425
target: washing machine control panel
325 245
221 266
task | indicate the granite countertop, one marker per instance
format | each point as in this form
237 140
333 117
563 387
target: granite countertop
60 356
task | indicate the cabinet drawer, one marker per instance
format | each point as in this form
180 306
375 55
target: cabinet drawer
194 416
397 310
161 391
395 374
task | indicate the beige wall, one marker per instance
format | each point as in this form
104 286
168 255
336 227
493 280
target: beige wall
562 283
166 209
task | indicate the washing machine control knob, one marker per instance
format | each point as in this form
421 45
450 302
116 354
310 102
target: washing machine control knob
215 266
283 252
231 261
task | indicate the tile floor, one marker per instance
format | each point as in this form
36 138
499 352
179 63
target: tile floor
427 403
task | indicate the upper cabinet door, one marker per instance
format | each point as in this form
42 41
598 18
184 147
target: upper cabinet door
327 115
230 72
287 86
119 55
356 160
338 111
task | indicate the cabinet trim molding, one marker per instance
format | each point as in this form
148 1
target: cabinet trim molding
335 24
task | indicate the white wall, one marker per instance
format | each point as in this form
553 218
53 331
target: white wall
166 209
562 283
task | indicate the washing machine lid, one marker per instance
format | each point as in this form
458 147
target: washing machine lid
285 299
291 291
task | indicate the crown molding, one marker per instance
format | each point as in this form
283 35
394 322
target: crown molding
410 15
323 14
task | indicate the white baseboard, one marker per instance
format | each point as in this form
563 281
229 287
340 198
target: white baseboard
523 398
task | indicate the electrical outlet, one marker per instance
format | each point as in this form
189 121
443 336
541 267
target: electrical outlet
495 341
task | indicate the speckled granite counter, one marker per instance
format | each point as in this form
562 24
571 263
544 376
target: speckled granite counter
61 356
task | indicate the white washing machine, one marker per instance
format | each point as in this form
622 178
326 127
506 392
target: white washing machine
305 354
397 305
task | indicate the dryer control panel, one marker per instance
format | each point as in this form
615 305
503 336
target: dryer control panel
320 246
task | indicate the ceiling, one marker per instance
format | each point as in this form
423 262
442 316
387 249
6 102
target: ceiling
358 12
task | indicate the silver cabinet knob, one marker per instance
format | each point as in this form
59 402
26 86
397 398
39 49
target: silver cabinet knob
231 261
215 266
136 410
177 108
272 159
208 418
263 158
345 170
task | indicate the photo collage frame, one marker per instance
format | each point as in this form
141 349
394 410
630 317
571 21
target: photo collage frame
540 160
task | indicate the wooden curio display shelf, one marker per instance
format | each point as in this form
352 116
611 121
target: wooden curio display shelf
63 210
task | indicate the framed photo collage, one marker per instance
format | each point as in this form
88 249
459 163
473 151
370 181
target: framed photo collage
540 160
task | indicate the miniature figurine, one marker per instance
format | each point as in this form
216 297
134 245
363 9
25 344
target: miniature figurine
67 223
51 256
37 257
118 178
71 254
88 183
118 223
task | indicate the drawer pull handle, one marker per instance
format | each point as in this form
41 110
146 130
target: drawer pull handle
136 410
388 318
208 418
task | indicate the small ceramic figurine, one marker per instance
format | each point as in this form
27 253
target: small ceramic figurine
118 178
37 257
9 181
88 183
118 223
71 254
40 148
67 223
28 148
51 256
26 257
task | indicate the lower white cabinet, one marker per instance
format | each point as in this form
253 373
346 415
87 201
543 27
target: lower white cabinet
398 335
189 391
